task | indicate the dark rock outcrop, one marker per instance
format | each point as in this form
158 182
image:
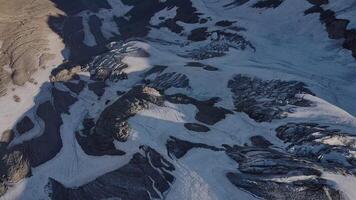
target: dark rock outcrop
260 141
330 147
167 80
16 161
270 174
178 148
112 123
267 4
24 125
109 65
196 127
198 34
336 28
148 175
75 86
220 42
98 87
207 113
263 100
201 65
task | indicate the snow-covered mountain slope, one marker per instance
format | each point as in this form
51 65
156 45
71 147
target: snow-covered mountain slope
183 99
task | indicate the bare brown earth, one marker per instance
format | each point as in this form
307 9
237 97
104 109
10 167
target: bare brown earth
24 39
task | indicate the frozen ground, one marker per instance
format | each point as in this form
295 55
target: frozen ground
286 45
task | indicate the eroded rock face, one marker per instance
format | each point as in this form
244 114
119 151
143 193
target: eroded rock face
25 35
270 174
264 101
112 123
328 146
148 175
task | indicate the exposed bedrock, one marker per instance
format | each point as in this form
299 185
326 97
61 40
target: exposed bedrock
25 40
201 65
16 161
112 123
110 65
220 42
148 175
330 147
266 100
270 174
24 125
178 148
260 141
207 113
98 87
75 86
336 28
167 80
258 4
196 127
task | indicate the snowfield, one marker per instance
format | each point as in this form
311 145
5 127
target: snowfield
286 127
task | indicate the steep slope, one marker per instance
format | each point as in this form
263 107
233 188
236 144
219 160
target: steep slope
181 99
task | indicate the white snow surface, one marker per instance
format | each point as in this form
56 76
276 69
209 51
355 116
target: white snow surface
289 46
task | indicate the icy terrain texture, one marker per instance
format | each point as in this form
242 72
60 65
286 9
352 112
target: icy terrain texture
190 99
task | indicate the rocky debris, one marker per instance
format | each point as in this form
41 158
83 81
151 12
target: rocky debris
196 127
14 166
220 43
178 148
16 98
110 65
6 137
24 125
148 175
270 174
260 141
112 123
328 146
336 28
265 100
207 113
201 65
64 74
167 80
267 4
98 87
